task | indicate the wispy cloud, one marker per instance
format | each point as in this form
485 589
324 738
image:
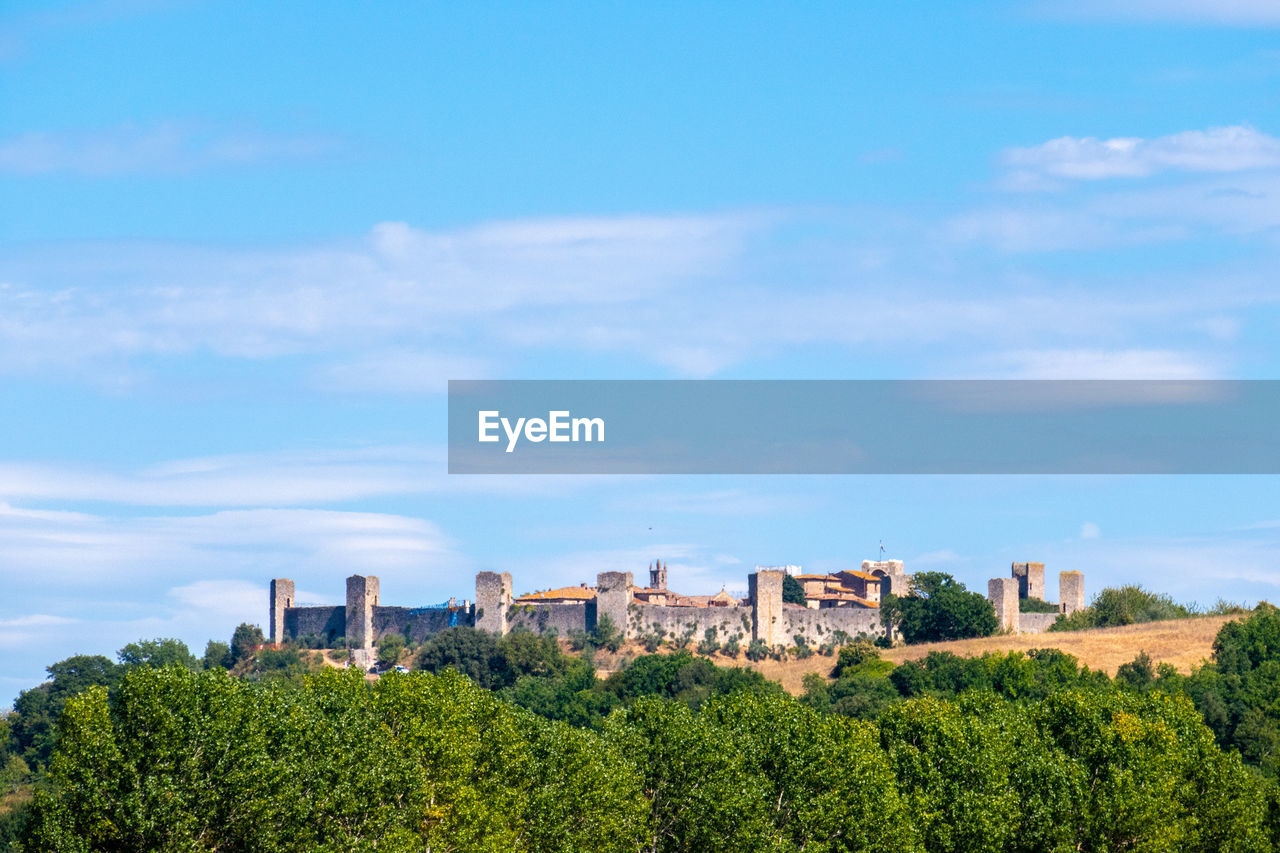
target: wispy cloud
402 309
173 147
84 553
1070 158
257 480
1221 12
1106 364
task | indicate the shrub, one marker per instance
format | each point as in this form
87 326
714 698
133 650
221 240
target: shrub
792 591
1127 605
606 634
1036 605
757 650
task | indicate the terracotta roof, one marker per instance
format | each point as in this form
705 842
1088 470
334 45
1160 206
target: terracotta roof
843 596
864 575
574 593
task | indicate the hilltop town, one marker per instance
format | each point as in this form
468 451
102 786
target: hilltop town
843 603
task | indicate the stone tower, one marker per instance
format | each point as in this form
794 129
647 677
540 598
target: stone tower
613 595
892 574
1070 592
658 575
493 600
281 597
1003 595
765 592
1030 580
362 597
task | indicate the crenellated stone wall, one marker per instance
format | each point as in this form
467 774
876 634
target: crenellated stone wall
364 620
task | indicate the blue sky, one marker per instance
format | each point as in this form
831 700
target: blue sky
243 247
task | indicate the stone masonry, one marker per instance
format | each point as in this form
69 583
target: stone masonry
765 591
281 598
1030 580
362 597
613 595
1070 592
1003 595
493 600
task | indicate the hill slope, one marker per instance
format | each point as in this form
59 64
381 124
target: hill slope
1181 642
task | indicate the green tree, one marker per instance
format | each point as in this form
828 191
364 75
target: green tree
158 652
243 641
475 654
606 634
827 784
938 608
390 648
216 654
36 711
702 793
792 591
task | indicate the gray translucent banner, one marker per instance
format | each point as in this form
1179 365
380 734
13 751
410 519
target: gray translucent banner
864 427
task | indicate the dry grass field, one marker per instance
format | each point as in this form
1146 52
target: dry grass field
1181 642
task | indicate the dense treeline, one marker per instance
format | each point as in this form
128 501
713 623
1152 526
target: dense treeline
175 760
532 751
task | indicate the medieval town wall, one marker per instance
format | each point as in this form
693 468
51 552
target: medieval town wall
329 622
416 623
677 621
564 619
1035 623
816 626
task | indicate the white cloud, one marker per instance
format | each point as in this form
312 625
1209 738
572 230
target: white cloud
1090 530
403 309
1243 564
1219 149
162 147
1222 12
34 620
401 293
270 479
81 552
1104 364
226 598
249 479
400 371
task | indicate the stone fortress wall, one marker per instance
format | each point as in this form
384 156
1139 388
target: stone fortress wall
761 616
1026 580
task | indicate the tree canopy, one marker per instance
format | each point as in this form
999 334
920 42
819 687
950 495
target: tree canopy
938 608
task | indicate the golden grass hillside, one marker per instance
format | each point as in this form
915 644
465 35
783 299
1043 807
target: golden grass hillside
1184 643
